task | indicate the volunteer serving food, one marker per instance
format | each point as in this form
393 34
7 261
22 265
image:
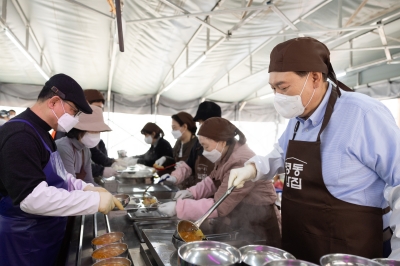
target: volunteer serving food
36 192
338 152
250 209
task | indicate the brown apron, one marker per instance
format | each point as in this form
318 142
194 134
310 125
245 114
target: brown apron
315 223
82 174
196 177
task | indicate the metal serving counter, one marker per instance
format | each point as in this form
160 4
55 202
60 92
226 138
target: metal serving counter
87 227
148 236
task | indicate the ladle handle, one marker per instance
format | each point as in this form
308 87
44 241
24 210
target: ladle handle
205 216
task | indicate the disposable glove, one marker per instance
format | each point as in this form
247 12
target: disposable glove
95 189
106 202
183 194
238 176
132 161
167 178
168 208
161 161
109 172
121 162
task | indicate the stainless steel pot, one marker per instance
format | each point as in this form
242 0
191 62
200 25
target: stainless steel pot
101 253
255 255
106 239
113 261
388 262
284 262
345 259
211 253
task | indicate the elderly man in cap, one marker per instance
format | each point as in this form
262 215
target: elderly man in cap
36 192
337 152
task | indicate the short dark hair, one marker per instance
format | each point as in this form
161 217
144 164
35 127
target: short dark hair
156 136
179 121
305 73
75 133
45 93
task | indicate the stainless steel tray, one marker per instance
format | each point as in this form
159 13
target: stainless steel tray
160 224
162 250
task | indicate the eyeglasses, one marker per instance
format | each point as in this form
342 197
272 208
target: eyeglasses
76 111
62 96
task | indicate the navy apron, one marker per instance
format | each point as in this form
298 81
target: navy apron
28 239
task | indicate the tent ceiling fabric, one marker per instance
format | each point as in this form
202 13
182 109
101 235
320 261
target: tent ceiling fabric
77 38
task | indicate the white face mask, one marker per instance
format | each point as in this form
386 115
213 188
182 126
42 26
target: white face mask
91 140
148 139
176 133
213 155
66 122
291 106
12 116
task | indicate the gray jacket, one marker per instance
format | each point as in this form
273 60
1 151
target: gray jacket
71 154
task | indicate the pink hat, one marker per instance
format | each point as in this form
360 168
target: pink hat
93 122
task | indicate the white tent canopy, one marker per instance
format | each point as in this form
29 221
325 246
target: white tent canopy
179 53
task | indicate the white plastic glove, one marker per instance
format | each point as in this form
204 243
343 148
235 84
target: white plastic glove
106 202
183 194
109 172
179 164
122 162
132 161
167 178
161 161
168 208
95 189
238 176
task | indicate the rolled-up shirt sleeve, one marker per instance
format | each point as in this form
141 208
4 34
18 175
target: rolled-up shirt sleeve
270 165
51 201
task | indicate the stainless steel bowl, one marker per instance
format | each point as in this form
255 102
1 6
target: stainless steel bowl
257 254
120 250
123 198
284 262
113 261
387 262
345 259
201 253
106 239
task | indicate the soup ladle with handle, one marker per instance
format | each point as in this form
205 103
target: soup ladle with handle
190 231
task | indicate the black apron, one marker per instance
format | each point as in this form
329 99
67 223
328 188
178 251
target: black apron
315 223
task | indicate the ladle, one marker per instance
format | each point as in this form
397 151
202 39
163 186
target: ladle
193 228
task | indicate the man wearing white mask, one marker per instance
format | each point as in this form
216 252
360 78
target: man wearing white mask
338 152
75 148
36 192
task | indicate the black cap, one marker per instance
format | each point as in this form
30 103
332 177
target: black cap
68 89
4 113
207 110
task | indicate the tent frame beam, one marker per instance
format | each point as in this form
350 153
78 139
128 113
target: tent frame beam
199 14
227 74
90 8
184 11
310 32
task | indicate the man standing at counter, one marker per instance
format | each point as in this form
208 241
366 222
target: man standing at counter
338 152
35 189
